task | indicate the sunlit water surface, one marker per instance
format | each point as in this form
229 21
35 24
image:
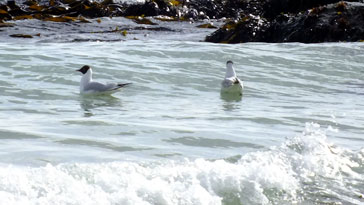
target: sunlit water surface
296 135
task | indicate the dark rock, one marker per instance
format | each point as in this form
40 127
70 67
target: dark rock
212 9
272 8
30 3
249 29
151 8
343 21
178 9
249 20
165 8
107 2
56 10
4 14
147 9
115 9
15 10
85 8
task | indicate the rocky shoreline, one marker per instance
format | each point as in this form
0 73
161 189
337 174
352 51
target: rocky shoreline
334 22
307 21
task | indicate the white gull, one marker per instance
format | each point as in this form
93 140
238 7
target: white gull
231 84
88 86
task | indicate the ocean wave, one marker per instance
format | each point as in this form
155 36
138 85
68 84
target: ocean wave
306 169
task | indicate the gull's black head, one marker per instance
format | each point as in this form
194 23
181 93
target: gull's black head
229 62
84 69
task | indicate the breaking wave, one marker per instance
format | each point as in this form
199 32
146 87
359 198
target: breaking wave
306 169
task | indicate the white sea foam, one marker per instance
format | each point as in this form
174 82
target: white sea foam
281 175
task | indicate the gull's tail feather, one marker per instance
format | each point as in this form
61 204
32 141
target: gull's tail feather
236 81
120 85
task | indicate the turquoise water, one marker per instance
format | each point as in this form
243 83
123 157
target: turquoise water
296 135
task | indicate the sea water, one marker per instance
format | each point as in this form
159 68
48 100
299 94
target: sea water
295 136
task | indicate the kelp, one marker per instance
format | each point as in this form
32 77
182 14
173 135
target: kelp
21 36
60 10
22 17
60 18
141 20
2 24
36 7
56 11
207 25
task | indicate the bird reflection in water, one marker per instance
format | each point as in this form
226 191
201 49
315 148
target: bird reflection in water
91 102
230 101
231 97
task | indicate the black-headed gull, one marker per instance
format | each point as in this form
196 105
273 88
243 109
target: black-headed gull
88 86
231 83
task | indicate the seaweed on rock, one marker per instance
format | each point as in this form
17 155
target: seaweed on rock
342 21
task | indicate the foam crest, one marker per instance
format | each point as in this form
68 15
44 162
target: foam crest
325 171
313 155
303 169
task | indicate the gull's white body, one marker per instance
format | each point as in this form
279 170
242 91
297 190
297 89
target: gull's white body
231 83
88 86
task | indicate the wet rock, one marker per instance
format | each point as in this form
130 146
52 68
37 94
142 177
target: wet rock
249 29
272 8
342 21
217 9
4 14
178 9
56 10
15 10
248 20
72 8
88 9
153 8
147 9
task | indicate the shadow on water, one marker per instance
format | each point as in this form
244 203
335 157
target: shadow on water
91 102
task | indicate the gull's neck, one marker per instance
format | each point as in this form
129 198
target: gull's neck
230 72
86 78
